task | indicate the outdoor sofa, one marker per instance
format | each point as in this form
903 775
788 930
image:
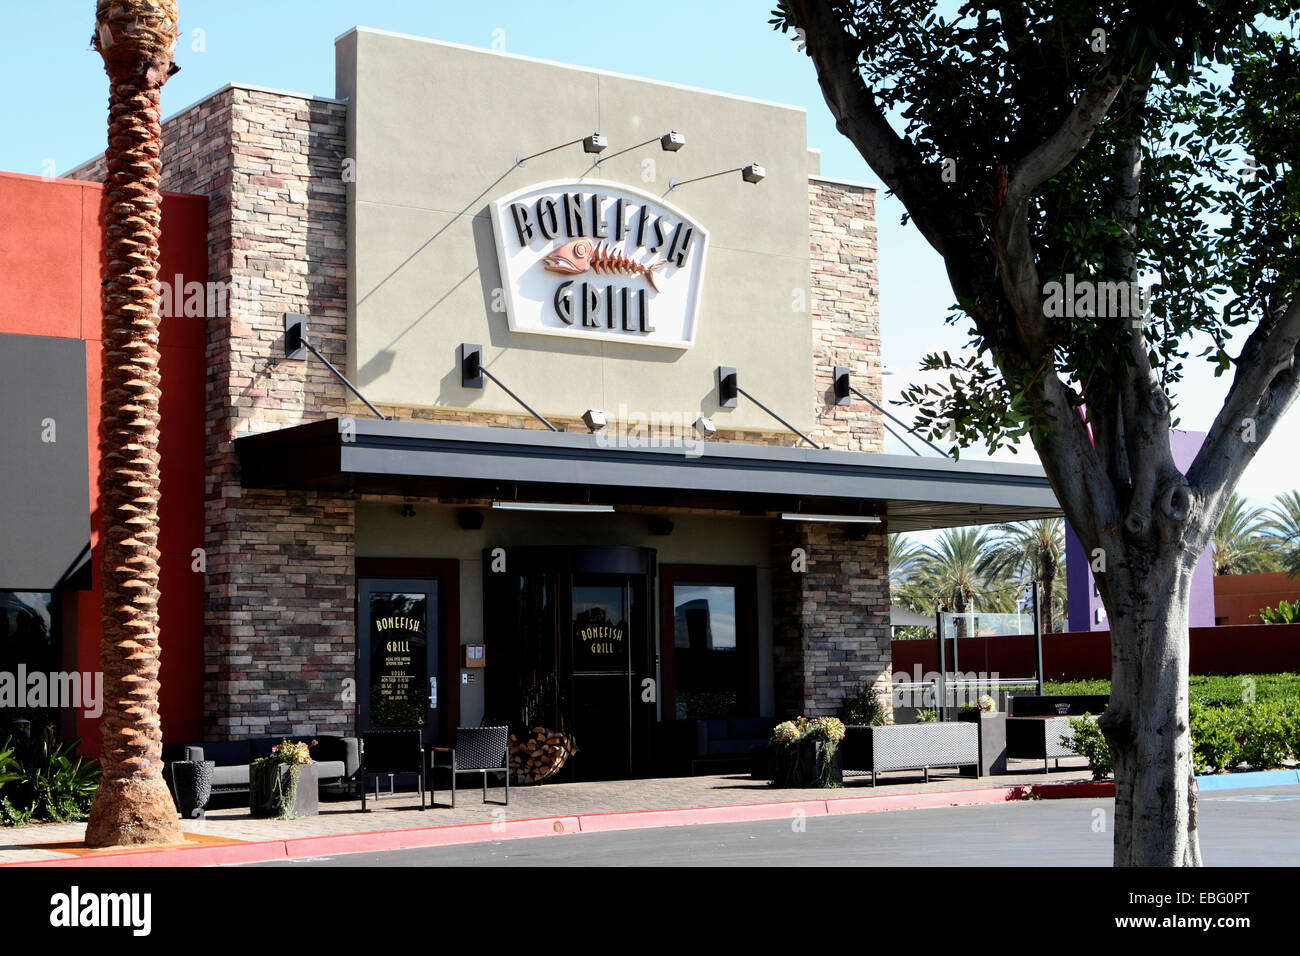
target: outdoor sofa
337 761
1035 725
910 747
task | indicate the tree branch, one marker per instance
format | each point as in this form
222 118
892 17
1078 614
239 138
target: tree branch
1266 383
896 160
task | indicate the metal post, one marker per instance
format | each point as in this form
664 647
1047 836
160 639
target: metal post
942 703
1038 642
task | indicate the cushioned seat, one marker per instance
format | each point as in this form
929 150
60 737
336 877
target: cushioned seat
232 776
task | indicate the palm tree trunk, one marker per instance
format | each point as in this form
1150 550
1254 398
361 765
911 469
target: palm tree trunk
132 806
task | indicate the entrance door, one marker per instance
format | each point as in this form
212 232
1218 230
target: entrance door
398 644
570 647
600 658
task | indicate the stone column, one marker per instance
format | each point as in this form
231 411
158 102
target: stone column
830 615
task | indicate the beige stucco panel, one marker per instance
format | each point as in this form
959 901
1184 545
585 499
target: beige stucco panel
435 129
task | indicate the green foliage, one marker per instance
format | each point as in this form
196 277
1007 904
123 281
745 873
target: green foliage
926 716
1282 528
1265 730
9 767
862 707
1217 690
1240 546
983 85
1287 612
1087 740
1215 748
48 780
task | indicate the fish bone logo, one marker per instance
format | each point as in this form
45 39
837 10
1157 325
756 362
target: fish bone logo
600 260
576 257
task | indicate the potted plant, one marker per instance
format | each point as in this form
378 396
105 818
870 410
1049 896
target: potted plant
283 784
805 753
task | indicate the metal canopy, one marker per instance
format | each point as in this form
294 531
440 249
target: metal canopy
458 461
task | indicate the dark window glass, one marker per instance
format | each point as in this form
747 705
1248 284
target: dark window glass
710 667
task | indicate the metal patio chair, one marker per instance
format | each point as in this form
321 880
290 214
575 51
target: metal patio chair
482 750
391 752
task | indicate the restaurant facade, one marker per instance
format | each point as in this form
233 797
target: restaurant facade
501 391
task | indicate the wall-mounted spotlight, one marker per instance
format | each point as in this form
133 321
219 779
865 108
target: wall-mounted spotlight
705 428
729 391
669 142
844 388
594 419
753 173
297 345
595 143
408 511
472 374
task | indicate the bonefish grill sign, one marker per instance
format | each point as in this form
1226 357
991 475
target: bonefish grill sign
599 260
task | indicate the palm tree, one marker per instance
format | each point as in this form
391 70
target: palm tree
137 40
1031 551
1240 546
952 573
1282 530
903 557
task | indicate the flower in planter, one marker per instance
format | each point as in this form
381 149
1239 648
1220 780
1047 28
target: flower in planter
786 732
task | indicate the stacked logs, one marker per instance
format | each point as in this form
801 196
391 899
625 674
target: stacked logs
539 754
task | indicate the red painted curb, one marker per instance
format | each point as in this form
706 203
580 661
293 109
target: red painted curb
467 833
1066 791
693 816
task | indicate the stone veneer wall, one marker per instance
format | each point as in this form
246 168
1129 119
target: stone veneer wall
279 639
845 308
830 621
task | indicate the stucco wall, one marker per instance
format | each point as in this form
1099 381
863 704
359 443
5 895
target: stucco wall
435 130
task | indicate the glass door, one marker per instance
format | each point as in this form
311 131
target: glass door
600 659
397 655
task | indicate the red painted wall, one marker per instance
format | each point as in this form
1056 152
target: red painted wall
1084 655
50 256
1238 596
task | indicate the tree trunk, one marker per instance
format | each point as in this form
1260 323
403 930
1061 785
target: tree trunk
1045 604
132 805
1146 725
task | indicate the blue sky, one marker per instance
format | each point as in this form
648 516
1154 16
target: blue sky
56 112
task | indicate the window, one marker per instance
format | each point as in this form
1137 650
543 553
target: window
709 642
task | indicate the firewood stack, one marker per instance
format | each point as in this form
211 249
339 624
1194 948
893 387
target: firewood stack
539 754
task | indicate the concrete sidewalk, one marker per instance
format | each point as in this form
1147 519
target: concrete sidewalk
230 835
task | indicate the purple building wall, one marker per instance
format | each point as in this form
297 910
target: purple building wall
1086 610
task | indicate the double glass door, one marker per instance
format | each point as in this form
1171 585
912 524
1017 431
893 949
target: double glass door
569 649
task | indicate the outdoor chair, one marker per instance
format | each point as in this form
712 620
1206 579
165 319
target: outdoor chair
391 752
482 750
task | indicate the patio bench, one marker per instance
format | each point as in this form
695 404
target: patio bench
910 747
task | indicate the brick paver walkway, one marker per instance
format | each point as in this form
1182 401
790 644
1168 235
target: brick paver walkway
400 812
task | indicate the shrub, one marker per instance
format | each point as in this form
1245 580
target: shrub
1264 730
1215 747
1087 740
1287 612
49 782
926 716
862 707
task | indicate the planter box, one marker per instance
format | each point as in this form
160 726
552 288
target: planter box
992 742
266 786
804 767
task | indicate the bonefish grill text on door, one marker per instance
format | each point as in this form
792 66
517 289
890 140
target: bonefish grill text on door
599 260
